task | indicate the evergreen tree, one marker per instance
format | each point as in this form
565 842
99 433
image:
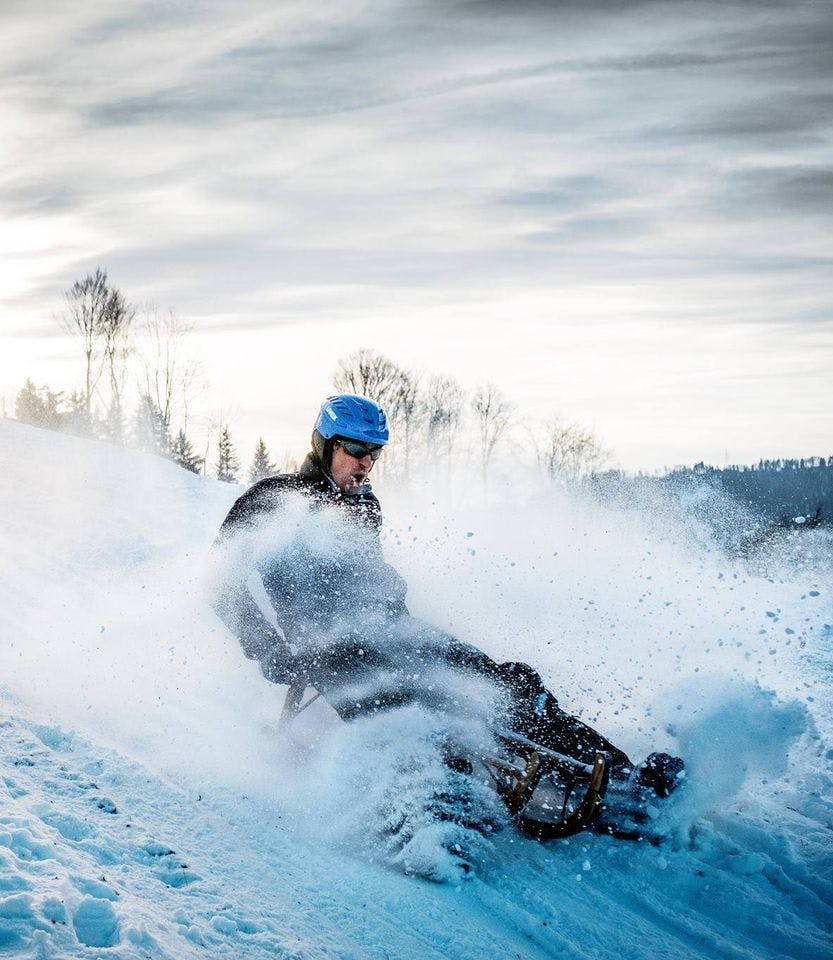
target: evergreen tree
152 429
262 466
227 461
113 424
77 418
182 452
38 406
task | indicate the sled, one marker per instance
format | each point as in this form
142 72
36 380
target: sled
547 794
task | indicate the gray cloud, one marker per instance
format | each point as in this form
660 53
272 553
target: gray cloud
766 118
605 230
545 9
247 84
562 194
46 196
774 191
662 61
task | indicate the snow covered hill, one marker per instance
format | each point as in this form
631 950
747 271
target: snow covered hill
150 808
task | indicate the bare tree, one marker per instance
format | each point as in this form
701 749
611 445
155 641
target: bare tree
85 317
372 374
115 335
567 450
443 408
367 373
404 409
168 372
101 317
491 414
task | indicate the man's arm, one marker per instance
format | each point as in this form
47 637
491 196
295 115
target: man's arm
260 641
368 511
233 602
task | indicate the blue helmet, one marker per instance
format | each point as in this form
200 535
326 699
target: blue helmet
351 417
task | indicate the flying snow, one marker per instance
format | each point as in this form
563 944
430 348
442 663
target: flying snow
153 806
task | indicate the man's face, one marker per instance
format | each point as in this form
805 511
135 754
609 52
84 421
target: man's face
349 473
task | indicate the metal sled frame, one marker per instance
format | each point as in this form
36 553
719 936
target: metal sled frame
516 781
516 785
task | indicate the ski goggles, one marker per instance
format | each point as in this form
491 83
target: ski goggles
360 450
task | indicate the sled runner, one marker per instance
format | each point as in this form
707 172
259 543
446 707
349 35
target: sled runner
547 794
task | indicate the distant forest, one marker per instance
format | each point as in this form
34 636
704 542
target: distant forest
792 494
781 491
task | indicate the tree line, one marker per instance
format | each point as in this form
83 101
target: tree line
432 414
782 491
138 382
794 493
139 379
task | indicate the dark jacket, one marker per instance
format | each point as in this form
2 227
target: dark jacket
322 569
337 604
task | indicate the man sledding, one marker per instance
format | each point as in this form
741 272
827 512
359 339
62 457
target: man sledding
332 618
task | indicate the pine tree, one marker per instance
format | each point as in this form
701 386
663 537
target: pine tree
227 462
113 425
262 466
38 406
182 452
76 418
152 428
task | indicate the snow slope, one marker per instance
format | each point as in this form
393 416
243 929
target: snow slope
149 807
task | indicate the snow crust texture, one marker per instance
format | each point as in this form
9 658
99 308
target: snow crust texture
150 807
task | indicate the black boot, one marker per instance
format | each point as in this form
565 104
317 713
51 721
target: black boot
537 715
661 772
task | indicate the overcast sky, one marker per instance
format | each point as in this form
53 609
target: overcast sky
619 212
